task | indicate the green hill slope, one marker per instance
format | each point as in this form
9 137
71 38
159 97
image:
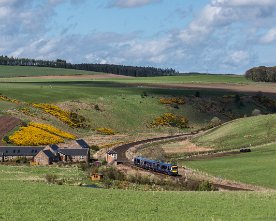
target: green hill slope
23 71
240 133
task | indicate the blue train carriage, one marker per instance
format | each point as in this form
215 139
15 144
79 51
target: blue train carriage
156 166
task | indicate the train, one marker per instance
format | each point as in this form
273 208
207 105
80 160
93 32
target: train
157 166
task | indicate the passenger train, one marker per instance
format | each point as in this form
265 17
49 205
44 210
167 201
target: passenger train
156 166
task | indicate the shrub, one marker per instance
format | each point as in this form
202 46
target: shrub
70 118
215 122
53 130
197 94
174 100
144 94
256 112
112 173
51 178
95 147
170 120
205 186
105 131
6 139
38 134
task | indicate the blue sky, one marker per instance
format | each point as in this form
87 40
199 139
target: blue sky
215 36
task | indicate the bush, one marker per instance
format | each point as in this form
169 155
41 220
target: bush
95 147
256 112
205 186
215 122
111 173
105 131
171 120
51 178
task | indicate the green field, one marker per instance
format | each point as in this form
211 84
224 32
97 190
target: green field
32 201
245 132
23 71
254 168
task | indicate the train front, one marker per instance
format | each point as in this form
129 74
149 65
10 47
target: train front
174 170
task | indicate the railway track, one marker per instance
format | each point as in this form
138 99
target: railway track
122 149
122 159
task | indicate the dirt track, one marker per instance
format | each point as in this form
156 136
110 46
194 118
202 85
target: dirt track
7 123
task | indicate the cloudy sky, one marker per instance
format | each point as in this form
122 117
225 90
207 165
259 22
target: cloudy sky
216 36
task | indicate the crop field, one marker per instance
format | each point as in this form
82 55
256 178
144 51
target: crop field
254 168
245 132
54 202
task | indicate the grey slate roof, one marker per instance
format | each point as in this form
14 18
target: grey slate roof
54 147
82 143
74 152
20 151
49 154
112 152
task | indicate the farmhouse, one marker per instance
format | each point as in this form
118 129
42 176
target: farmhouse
74 155
78 152
111 157
14 152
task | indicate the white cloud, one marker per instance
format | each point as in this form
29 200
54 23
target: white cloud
269 37
131 3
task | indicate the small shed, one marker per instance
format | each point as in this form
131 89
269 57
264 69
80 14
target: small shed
111 156
96 177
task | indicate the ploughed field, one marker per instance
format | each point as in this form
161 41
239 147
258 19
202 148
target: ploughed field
7 123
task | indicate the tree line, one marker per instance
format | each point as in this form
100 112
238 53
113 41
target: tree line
134 71
262 73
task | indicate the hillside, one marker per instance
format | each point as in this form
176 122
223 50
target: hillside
245 132
252 168
25 71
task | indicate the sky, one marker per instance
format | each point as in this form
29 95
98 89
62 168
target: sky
213 36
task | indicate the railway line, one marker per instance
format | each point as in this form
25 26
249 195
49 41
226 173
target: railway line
122 159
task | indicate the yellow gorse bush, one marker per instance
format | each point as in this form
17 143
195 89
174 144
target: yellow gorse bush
173 100
5 98
53 130
105 131
57 112
38 134
170 120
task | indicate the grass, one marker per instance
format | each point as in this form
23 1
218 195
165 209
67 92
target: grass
240 133
37 173
188 78
52 202
255 168
22 71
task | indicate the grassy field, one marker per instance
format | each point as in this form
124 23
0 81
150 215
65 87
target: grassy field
254 168
52 202
22 71
245 132
37 173
189 78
